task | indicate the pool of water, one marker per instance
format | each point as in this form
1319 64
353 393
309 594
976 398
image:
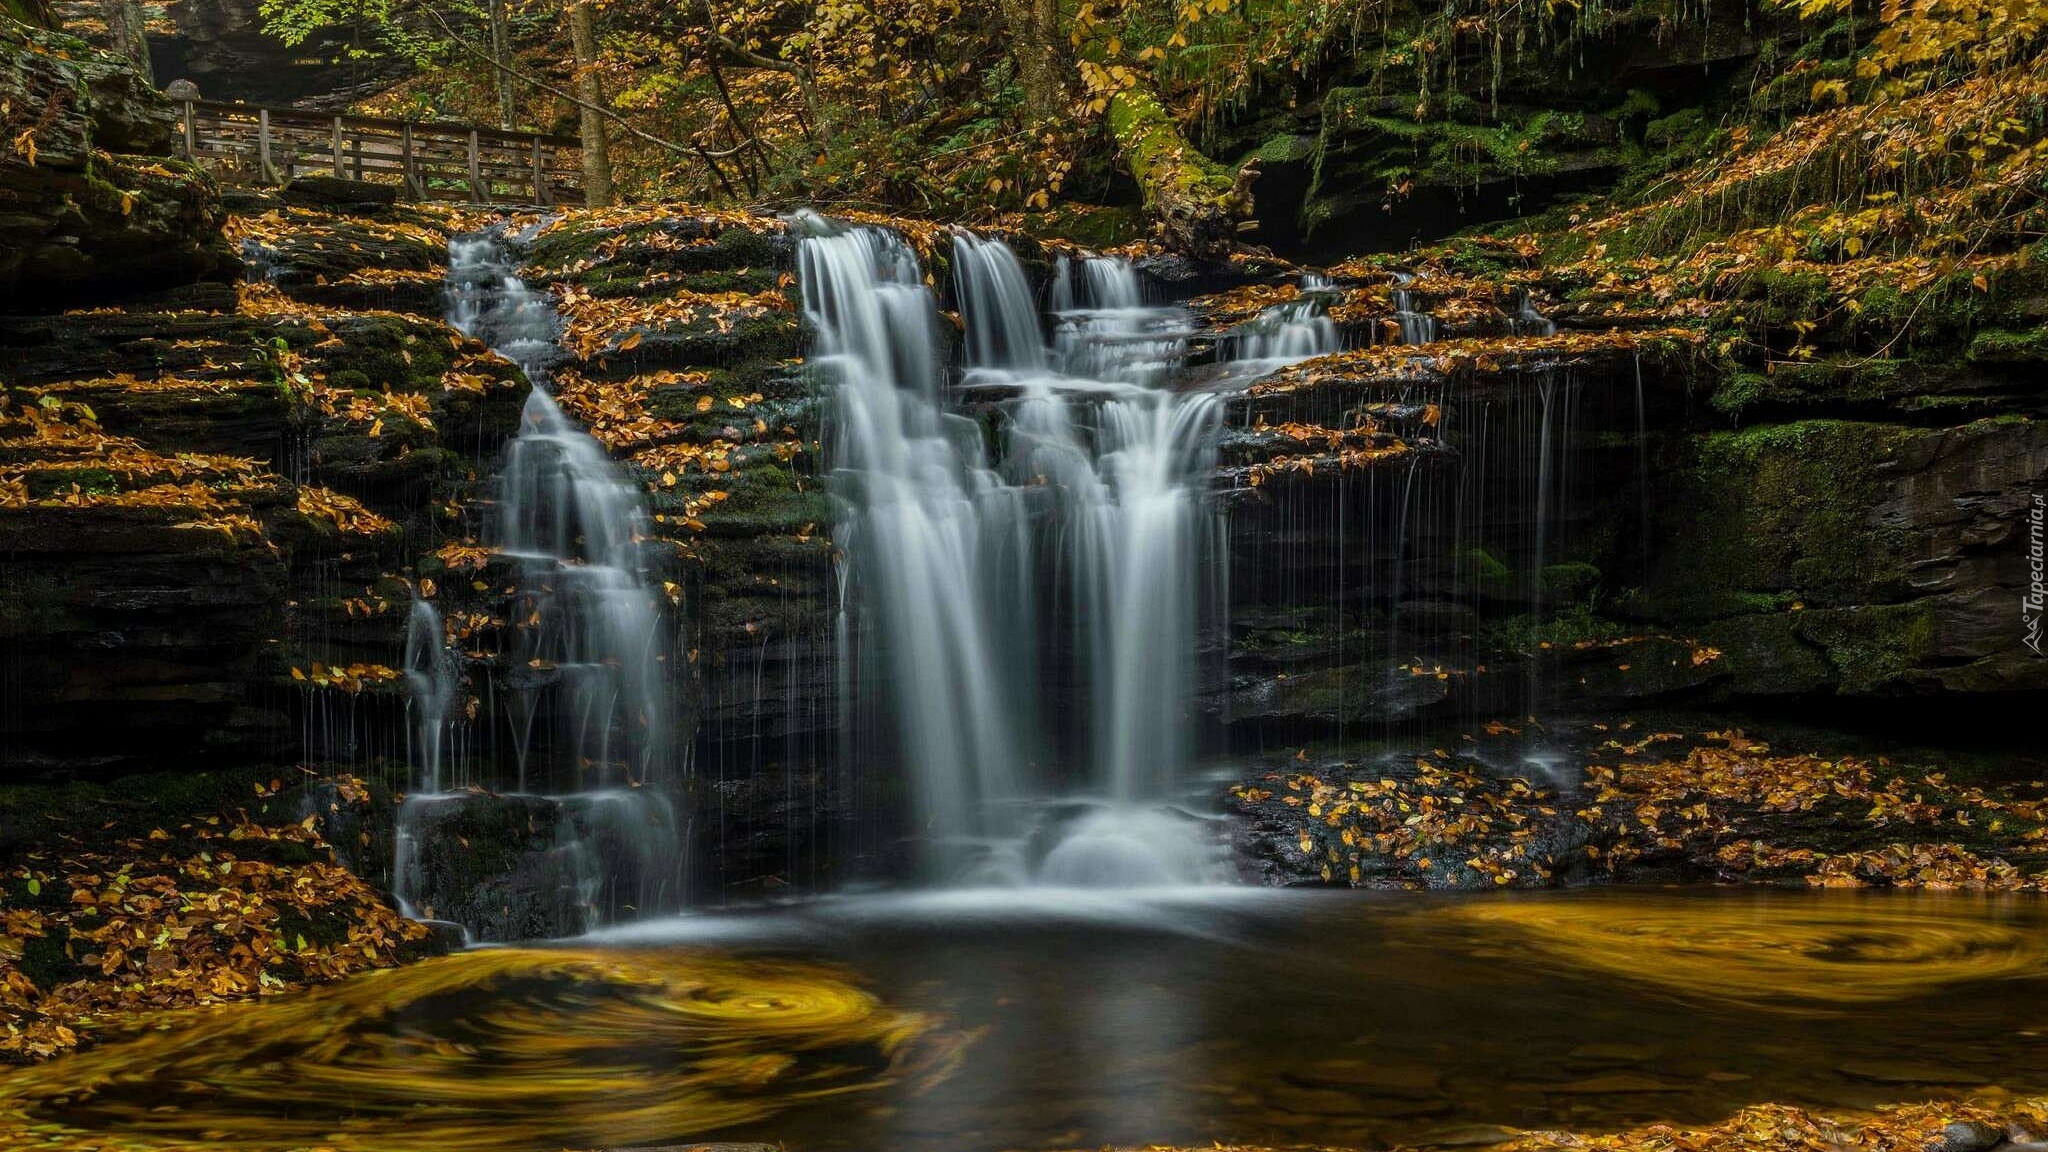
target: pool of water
964 1021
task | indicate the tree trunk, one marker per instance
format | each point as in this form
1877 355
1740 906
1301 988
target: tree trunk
1197 205
1040 55
597 160
125 34
508 112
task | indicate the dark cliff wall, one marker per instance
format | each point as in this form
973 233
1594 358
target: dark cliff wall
220 45
211 494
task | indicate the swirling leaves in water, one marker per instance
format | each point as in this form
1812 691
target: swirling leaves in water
482 1051
1772 952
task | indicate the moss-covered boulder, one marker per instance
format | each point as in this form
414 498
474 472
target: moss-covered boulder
88 203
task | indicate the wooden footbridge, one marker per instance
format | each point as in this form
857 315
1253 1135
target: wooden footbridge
428 161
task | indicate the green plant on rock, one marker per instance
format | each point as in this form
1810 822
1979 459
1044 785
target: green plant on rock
284 367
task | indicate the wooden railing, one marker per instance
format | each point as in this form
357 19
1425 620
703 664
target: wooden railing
428 161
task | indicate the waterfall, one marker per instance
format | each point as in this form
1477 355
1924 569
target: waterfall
584 609
1417 326
1081 533
589 632
1106 332
584 682
1296 330
430 677
1527 321
932 533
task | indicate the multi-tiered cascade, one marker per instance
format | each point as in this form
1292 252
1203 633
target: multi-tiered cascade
1033 602
579 708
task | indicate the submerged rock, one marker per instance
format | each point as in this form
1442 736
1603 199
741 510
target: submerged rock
524 867
1970 1136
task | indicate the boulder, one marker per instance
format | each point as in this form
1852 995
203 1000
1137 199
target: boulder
88 206
340 194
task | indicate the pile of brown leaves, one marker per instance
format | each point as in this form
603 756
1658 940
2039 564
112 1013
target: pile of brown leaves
217 909
1398 363
1423 827
1722 801
1727 808
598 324
346 513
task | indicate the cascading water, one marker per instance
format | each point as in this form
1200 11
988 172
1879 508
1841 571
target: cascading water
431 687
1296 330
1087 529
1527 321
1417 326
587 699
1106 331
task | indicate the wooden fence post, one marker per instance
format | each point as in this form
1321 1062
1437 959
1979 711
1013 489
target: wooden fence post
265 173
542 194
191 135
412 172
336 148
478 193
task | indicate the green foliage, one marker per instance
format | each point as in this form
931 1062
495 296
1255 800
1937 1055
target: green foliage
365 28
281 363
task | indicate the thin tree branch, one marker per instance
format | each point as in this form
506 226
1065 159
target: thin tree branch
609 114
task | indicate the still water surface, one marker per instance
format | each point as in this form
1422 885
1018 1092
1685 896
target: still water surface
1056 1019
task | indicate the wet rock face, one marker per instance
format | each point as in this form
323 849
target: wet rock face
683 342
1581 536
223 486
220 47
524 867
134 642
505 867
96 211
1904 550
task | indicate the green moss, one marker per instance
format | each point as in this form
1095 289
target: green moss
1569 581
381 352
1087 224
1681 127
90 481
1529 633
2004 346
1784 509
1158 155
24 12
1739 390
1282 149
1482 567
1760 602
1873 647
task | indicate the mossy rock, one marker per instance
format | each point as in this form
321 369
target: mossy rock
1784 507
2005 347
1873 648
398 353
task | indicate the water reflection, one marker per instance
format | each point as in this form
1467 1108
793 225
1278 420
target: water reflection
501 1049
1796 951
1049 1018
